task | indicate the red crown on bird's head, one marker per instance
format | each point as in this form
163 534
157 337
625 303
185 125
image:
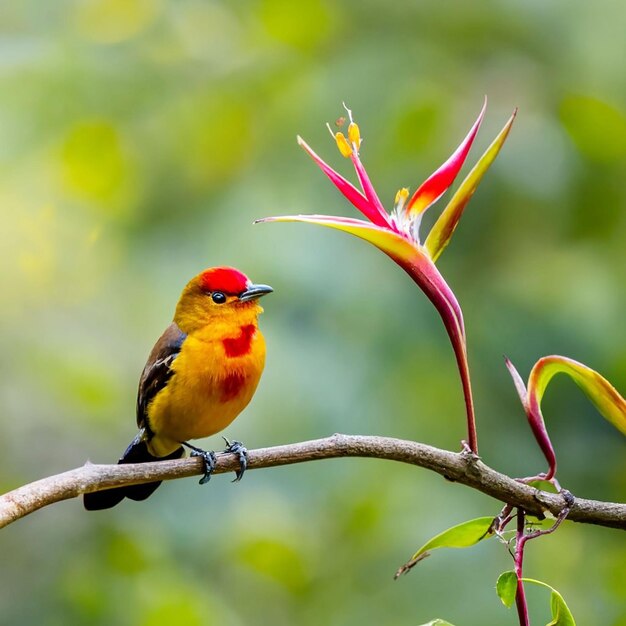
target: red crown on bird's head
228 280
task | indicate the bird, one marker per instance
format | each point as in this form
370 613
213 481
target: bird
201 374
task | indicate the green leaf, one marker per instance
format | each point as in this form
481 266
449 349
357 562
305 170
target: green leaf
561 615
438 622
460 536
506 588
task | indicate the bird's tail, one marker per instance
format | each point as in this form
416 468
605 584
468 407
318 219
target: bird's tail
137 452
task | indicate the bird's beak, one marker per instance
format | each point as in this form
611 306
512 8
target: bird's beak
254 291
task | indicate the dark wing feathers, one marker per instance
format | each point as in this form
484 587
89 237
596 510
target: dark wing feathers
154 377
158 371
137 452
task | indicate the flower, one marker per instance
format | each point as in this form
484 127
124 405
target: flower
397 233
599 390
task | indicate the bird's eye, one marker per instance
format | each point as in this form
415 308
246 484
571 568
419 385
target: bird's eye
218 297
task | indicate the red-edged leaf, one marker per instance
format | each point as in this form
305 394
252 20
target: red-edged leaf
535 419
598 389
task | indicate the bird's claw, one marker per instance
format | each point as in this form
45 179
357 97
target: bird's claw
236 447
210 461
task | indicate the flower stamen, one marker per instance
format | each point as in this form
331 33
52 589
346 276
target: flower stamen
401 198
342 143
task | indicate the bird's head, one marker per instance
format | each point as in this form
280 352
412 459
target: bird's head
218 294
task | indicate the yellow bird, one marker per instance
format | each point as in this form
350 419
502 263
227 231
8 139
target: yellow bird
201 373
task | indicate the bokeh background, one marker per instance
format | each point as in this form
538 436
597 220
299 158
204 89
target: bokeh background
139 139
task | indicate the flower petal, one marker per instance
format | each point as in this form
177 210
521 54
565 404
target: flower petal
369 191
442 230
599 390
390 242
438 182
350 192
409 256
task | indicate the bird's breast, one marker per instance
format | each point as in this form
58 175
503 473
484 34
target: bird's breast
214 379
227 367
232 385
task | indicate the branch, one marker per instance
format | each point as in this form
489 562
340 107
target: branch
458 467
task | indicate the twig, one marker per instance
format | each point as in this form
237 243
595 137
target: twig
520 595
463 468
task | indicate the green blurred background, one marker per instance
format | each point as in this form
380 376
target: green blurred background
139 139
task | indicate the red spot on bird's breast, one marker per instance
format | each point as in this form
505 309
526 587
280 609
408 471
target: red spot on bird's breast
238 346
232 385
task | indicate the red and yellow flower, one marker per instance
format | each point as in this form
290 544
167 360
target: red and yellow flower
397 233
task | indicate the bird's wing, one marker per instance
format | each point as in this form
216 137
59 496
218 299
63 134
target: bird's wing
158 371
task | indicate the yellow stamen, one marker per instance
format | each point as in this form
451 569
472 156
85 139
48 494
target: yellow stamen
342 143
401 197
354 135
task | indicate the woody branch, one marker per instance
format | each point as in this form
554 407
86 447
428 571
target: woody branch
462 468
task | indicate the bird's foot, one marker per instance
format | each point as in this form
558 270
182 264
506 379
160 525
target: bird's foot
210 461
236 447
